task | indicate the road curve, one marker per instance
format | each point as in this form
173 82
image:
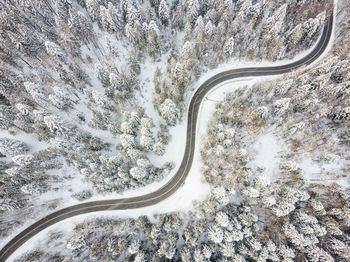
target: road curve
178 179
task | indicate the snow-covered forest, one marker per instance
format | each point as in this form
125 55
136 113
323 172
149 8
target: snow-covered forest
90 89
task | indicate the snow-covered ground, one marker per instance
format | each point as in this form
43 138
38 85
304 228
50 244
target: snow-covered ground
266 149
312 169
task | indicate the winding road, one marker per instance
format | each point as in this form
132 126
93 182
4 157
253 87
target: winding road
180 176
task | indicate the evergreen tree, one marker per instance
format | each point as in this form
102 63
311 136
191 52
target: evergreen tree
12 147
169 111
164 12
153 39
53 49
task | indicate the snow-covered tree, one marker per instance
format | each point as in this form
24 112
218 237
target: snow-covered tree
222 219
60 98
12 147
132 14
209 29
158 148
229 46
140 257
164 12
215 234
281 106
102 74
53 49
100 99
193 10
93 9
134 246
58 125
34 188
169 111
220 195
127 141
24 109
36 92
153 39
107 20
23 160
187 54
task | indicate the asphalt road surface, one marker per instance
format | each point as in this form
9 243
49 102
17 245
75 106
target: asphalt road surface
180 176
